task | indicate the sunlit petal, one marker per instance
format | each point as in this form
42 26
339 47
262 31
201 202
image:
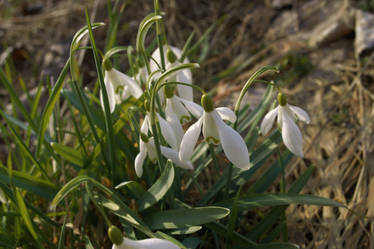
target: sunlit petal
189 141
146 244
268 121
195 109
233 144
173 155
131 84
168 133
174 121
300 113
210 130
226 114
291 136
110 92
139 159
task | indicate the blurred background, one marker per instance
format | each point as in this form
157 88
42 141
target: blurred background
324 49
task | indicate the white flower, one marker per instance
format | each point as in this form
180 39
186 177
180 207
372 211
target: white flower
216 131
184 76
291 135
147 147
177 113
118 87
145 244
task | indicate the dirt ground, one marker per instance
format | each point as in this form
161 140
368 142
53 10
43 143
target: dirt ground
323 47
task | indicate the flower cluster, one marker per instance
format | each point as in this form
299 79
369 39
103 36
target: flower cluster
178 108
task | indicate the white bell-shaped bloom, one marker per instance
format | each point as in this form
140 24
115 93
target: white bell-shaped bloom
291 135
184 76
118 87
216 131
148 148
145 244
177 112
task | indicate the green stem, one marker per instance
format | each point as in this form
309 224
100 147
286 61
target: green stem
214 157
283 190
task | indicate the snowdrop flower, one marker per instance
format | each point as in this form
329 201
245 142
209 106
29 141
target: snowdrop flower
147 147
216 131
118 86
120 242
287 115
177 112
172 56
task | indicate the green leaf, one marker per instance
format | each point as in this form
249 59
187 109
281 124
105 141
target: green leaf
81 33
55 95
73 184
33 184
186 217
70 154
113 51
159 188
187 230
26 217
265 200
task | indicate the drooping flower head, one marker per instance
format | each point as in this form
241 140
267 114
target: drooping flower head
172 56
287 115
118 86
216 131
147 148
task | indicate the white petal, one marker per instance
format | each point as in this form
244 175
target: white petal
226 114
195 109
173 155
168 133
144 128
109 87
300 113
268 121
189 141
185 92
292 136
139 159
151 150
174 121
156 57
179 109
233 144
210 129
133 87
177 52
146 244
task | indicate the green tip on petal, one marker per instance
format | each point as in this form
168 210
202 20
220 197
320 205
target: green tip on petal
170 55
107 65
207 103
282 100
115 235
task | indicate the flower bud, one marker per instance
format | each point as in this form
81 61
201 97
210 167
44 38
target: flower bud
107 65
170 55
207 103
282 100
169 91
115 235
